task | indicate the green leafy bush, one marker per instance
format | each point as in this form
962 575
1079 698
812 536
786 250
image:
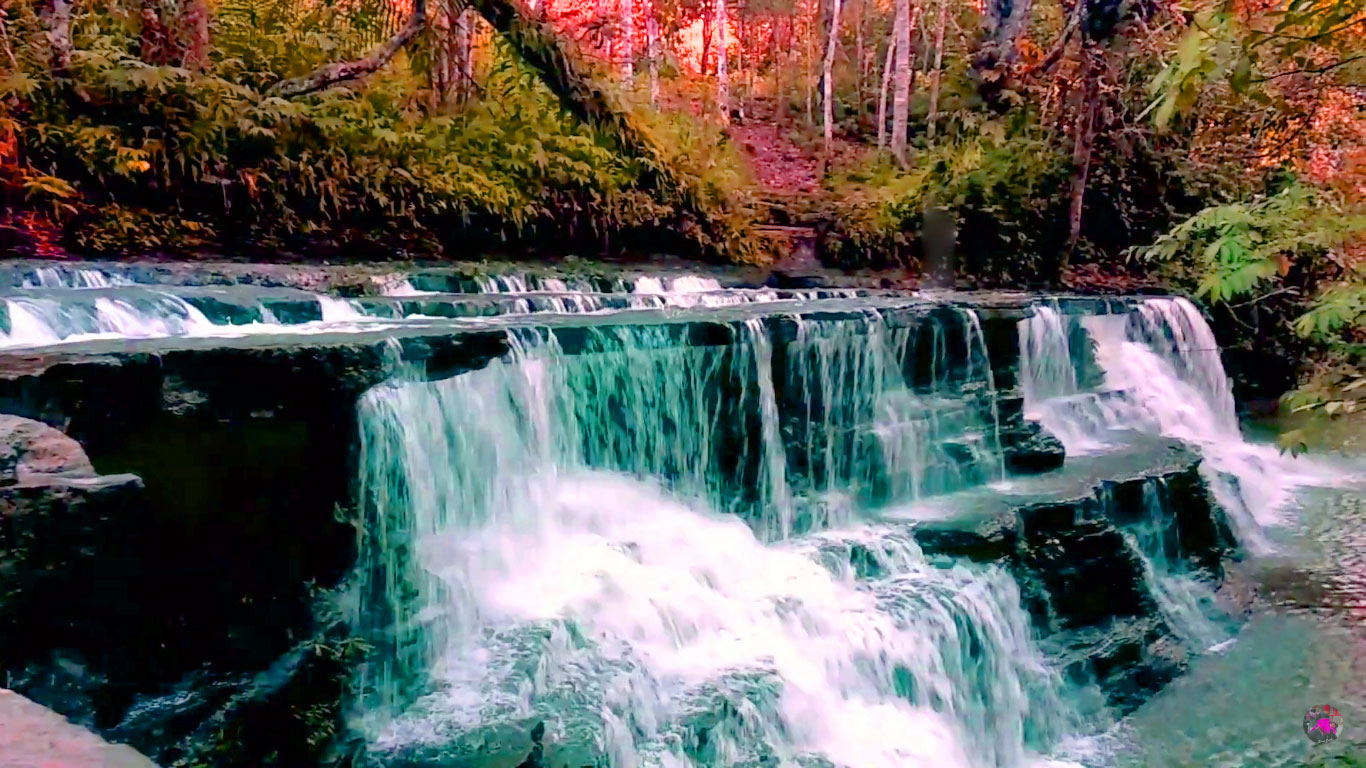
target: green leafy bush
1286 247
1006 189
155 158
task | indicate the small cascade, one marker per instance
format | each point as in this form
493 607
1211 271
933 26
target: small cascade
35 322
547 540
1184 597
73 277
1159 372
404 288
335 310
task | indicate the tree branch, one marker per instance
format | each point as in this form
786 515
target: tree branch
329 75
1319 71
1053 55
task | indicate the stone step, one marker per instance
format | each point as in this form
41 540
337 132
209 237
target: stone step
33 736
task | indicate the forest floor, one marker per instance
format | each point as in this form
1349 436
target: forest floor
780 164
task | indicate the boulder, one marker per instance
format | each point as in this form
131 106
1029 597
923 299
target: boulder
35 448
32 736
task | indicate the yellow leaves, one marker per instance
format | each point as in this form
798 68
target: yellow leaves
49 186
129 161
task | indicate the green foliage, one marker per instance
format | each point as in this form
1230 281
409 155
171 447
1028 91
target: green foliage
163 158
1000 183
1302 37
1232 249
1236 250
1339 308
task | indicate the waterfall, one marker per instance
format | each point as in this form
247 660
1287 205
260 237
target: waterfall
69 277
1185 598
1160 373
42 321
613 541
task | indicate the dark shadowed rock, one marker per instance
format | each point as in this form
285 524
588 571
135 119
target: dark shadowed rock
1032 450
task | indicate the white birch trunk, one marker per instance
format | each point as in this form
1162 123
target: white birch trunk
827 77
722 74
901 97
882 94
938 64
652 47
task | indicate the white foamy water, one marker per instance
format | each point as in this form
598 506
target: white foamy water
524 581
42 319
1161 373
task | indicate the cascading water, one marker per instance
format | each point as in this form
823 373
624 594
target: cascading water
1184 597
43 321
1159 372
547 542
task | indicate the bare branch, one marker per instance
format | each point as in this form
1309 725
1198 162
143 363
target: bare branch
329 75
1053 55
1318 71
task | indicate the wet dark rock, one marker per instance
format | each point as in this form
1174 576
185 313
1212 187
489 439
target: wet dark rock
1085 566
287 714
989 542
1129 659
1031 450
62 555
1062 535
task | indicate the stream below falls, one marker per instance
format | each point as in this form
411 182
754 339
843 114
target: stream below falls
680 521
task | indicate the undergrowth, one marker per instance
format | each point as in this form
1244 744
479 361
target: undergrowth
128 157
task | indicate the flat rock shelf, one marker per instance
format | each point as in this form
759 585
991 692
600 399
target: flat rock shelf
499 516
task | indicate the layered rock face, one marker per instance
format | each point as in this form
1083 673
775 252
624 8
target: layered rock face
173 599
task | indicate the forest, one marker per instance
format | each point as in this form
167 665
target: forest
1213 146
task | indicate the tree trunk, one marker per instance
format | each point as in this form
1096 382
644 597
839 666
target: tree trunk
940 23
1082 143
858 61
901 97
627 9
827 76
781 56
739 65
464 54
194 24
329 75
882 94
58 19
652 47
722 74
809 66
707 32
